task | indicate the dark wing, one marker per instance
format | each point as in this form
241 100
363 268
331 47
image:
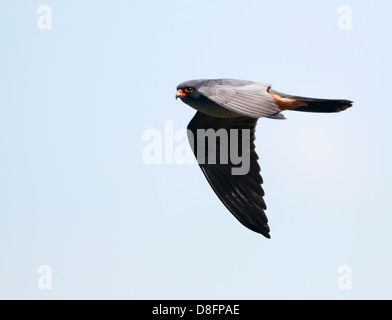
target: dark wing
241 194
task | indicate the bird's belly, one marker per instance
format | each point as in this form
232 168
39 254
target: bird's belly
212 109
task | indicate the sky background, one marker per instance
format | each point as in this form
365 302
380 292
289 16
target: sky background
75 194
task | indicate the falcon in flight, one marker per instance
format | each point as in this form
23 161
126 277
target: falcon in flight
234 106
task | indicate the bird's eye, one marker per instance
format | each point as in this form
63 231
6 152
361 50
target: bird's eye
189 90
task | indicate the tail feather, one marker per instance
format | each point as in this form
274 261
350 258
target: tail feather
289 102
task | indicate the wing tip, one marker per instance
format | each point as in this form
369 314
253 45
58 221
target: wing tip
267 235
263 231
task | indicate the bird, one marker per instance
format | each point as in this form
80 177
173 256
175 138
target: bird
236 105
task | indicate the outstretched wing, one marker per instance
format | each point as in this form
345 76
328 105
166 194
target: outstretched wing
250 99
241 194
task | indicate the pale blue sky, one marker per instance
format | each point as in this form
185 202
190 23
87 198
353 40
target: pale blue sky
75 194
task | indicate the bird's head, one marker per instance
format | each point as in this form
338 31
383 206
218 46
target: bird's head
189 90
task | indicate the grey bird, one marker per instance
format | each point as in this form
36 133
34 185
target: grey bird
237 104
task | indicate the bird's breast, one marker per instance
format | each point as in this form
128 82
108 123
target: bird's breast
210 108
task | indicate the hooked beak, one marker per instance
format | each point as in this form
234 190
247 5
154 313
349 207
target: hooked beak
180 94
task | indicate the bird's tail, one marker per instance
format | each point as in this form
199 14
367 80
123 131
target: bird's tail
288 102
